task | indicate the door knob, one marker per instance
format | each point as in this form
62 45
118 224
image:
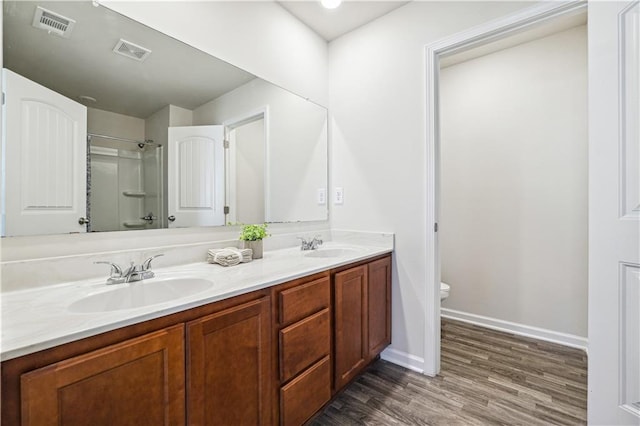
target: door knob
171 218
83 221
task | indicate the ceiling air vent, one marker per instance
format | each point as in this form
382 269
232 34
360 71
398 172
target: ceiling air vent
131 50
53 22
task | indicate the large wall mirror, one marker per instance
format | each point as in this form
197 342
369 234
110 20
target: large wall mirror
110 125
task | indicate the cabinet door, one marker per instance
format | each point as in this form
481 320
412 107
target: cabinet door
379 306
137 382
350 324
228 366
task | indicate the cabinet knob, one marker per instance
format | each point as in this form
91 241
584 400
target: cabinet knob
171 218
83 220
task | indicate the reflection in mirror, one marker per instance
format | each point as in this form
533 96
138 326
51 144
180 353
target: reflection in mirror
111 126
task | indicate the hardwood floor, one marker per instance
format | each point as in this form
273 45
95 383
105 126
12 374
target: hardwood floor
487 377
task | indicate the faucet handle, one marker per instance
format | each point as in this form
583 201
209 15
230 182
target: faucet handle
146 265
116 271
304 244
131 269
317 241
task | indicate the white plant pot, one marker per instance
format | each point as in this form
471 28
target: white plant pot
256 247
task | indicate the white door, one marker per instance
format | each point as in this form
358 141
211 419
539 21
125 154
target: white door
614 213
196 176
45 160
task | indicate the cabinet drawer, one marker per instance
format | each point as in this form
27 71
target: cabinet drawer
304 343
306 394
301 301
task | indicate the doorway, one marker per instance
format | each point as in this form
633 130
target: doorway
247 168
533 19
123 183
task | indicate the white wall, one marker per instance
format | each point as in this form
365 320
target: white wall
513 218
258 36
377 95
296 156
113 124
249 194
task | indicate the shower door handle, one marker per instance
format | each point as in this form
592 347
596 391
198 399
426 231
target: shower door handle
171 218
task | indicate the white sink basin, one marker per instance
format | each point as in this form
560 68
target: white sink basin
331 252
139 294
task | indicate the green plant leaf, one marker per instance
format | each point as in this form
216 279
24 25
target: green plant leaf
254 232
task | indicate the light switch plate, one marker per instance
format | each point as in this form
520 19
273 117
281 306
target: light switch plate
338 195
322 196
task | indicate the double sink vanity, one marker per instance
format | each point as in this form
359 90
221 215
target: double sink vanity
267 342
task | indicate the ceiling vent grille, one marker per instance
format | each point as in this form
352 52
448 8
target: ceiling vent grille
53 22
131 50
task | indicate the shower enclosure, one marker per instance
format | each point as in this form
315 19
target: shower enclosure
124 183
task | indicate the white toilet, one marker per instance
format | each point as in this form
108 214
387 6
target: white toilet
444 291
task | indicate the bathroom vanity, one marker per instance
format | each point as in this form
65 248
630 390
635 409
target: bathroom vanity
274 354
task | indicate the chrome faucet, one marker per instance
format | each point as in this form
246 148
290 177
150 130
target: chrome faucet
133 273
115 276
310 244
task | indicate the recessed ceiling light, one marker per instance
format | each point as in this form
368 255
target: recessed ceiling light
331 4
85 98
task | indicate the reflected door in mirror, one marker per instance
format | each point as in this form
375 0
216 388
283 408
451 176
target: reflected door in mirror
45 159
196 176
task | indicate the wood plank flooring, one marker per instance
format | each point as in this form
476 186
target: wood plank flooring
487 378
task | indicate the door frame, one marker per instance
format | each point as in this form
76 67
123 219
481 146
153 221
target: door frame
230 154
473 37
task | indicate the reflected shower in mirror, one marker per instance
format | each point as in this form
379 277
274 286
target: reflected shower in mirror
123 173
126 128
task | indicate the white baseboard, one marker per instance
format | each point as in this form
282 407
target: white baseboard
403 359
519 329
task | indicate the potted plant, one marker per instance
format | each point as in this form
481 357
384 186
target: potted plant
252 236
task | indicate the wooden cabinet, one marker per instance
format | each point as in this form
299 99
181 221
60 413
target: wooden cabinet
304 343
306 394
350 307
210 365
303 326
228 366
136 382
362 307
378 306
272 356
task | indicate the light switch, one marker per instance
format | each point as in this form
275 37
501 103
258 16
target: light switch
322 196
338 196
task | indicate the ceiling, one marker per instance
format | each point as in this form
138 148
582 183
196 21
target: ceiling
332 23
85 65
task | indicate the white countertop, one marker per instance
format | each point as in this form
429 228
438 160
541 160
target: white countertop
39 318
